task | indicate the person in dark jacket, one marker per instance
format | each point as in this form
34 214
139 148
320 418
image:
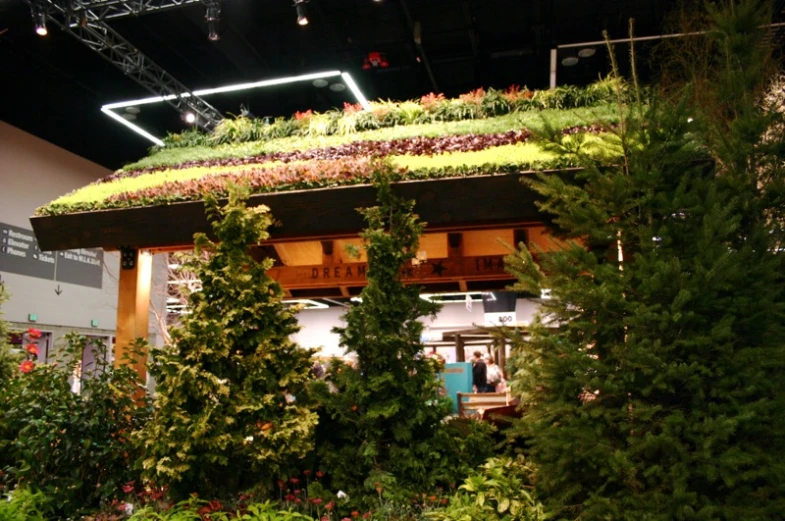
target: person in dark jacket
479 374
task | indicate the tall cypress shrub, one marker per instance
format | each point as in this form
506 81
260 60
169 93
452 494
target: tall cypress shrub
380 428
224 417
653 377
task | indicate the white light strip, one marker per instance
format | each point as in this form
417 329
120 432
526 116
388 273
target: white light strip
107 109
226 88
355 90
139 130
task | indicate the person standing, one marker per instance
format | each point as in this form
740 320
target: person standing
494 376
479 374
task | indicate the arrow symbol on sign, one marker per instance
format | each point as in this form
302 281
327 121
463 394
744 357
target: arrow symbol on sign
58 290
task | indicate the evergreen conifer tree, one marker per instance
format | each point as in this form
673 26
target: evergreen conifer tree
381 426
225 418
653 377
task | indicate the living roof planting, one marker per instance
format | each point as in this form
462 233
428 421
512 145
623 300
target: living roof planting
480 133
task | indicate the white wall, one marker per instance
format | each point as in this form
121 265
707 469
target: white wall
33 172
317 323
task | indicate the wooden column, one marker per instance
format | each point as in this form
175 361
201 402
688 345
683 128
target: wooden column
133 306
501 355
460 354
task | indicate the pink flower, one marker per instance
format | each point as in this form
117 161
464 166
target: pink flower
329 506
294 481
33 333
32 349
316 501
27 366
289 497
128 487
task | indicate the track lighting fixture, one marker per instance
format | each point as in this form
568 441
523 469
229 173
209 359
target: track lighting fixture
212 17
302 11
39 18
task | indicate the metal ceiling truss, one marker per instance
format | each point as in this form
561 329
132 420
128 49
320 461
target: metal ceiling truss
85 21
108 9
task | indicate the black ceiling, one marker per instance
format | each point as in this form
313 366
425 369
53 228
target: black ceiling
54 86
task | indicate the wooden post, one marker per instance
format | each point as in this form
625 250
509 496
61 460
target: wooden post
133 306
460 354
501 355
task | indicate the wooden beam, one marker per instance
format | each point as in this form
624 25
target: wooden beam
445 204
133 309
489 267
460 352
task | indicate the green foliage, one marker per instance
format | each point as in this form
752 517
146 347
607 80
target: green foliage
24 505
9 360
377 432
653 375
194 509
501 490
226 416
74 448
195 152
477 104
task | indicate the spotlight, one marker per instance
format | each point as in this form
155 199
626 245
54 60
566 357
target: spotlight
189 118
39 18
302 12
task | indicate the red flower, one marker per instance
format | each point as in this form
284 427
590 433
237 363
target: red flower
316 501
289 497
297 492
319 474
367 515
27 366
128 487
294 481
298 500
351 109
355 513
329 506
307 472
32 349
325 518
216 505
33 333
281 483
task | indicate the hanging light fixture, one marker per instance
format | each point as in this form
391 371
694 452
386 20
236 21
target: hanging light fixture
212 17
39 18
302 12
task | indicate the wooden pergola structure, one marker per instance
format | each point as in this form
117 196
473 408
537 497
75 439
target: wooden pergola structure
465 219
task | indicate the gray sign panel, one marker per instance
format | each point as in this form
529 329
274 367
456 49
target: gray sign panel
83 267
19 253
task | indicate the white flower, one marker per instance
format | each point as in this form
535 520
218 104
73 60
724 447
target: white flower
129 508
341 494
248 439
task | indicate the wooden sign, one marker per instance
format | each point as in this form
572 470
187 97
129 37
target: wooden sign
355 273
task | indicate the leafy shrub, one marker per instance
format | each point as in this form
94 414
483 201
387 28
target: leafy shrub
500 491
226 416
9 360
24 505
72 447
